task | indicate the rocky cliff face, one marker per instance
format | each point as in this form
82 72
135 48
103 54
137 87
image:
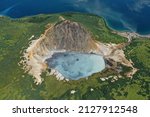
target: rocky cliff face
68 36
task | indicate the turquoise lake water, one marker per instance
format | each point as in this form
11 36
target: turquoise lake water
75 65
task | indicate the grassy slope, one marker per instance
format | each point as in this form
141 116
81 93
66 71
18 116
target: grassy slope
14 84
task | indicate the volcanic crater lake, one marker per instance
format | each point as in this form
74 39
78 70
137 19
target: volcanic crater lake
76 65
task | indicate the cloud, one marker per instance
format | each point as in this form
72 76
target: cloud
99 7
82 1
134 5
5 11
139 5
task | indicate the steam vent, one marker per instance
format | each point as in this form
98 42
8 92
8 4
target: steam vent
70 52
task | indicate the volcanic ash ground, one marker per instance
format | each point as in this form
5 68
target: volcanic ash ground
68 36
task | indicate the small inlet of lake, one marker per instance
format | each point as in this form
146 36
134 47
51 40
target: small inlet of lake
74 66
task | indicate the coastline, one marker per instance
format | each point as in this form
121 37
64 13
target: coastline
131 35
123 33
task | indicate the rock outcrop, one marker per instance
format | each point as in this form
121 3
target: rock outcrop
61 37
67 36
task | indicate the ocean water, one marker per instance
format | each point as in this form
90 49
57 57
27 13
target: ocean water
131 15
75 65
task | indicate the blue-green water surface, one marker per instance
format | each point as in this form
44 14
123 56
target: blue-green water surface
76 65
